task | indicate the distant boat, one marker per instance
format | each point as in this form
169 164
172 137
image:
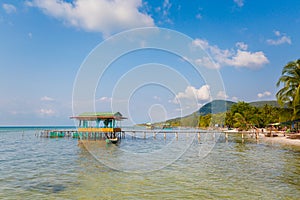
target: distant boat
112 140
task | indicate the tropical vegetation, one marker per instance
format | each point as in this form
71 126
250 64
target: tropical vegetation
289 94
244 115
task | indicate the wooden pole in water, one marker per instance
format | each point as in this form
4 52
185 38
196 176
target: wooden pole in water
199 135
144 135
165 135
154 135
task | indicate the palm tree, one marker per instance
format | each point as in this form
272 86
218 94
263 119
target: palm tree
290 93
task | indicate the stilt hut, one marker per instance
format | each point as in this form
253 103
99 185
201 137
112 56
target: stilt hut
100 122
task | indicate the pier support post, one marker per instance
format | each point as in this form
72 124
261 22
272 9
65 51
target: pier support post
165 135
176 135
198 135
154 135
144 135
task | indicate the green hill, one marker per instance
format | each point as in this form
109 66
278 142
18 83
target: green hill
213 107
216 106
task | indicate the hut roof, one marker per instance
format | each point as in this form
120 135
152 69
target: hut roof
91 116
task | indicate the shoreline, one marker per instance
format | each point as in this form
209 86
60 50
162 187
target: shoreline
282 140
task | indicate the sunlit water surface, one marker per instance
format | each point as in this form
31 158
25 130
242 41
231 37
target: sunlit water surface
42 168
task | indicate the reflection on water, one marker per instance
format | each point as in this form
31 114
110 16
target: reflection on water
37 168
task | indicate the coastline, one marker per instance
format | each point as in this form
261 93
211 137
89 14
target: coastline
282 140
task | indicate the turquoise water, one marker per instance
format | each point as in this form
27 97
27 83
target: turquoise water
210 168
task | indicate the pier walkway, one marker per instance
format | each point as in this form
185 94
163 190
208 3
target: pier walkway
141 133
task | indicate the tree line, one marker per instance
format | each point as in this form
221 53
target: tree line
244 116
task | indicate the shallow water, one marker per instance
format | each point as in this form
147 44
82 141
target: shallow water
212 168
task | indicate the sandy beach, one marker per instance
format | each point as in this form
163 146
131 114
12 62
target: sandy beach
283 140
289 139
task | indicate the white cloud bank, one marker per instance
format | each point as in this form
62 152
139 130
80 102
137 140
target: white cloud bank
281 39
9 8
230 57
103 16
192 93
264 94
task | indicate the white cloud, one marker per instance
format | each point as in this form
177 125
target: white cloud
222 95
46 98
104 99
9 8
234 99
277 33
48 112
203 93
166 7
239 3
164 10
281 39
103 16
207 62
247 59
230 57
264 94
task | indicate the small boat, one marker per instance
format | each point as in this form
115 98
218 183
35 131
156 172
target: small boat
112 140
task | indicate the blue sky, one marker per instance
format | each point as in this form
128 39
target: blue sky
44 43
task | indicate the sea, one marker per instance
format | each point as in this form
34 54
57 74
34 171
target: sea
139 167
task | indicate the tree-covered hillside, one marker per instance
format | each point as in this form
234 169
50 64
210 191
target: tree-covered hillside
216 106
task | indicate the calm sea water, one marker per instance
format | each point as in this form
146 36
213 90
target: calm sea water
210 168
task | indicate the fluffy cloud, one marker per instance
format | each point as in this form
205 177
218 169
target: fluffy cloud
247 59
230 57
9 8
264 94
103 16
280 39
203 93
46 98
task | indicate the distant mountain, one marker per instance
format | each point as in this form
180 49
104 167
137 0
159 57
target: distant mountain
260 104
216 106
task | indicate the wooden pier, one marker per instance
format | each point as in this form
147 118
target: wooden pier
106 125
100 134
134 133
